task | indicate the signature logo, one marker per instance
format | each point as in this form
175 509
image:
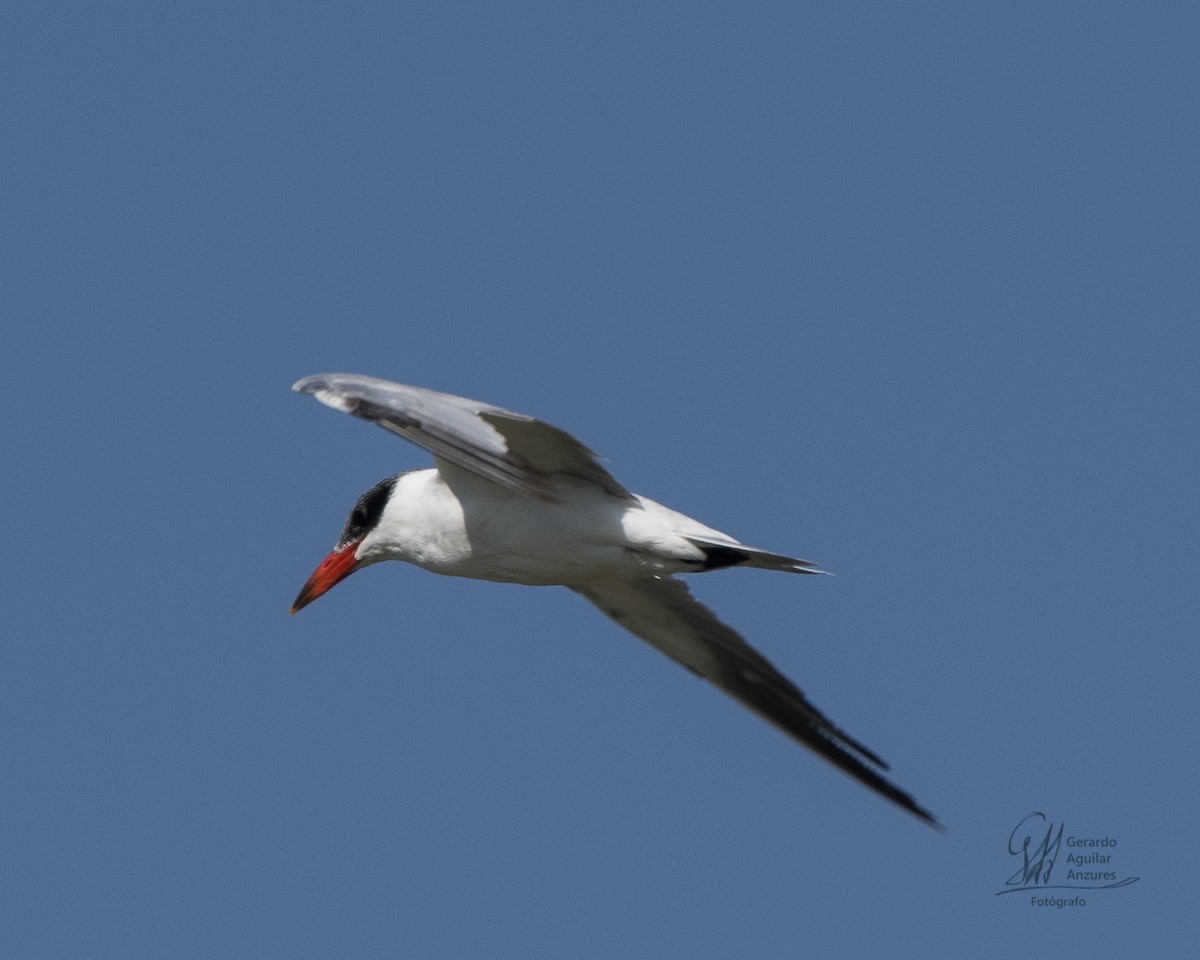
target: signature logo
1037 844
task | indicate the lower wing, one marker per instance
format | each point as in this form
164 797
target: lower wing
662 611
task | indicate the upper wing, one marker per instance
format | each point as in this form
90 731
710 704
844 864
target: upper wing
663 612
511 449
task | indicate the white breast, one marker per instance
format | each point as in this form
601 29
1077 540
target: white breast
470 527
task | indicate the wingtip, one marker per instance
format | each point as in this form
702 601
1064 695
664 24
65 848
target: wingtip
908 803
308 384
320 387
910 806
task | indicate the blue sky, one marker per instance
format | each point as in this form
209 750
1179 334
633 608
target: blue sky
911 291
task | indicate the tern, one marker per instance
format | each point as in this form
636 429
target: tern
517 500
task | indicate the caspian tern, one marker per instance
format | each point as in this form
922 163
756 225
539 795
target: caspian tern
517 500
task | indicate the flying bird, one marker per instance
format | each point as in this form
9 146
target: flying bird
517 500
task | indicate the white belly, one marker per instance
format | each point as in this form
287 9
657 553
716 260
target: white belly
480 530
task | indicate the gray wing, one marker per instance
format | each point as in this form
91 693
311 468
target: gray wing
663 612
511 449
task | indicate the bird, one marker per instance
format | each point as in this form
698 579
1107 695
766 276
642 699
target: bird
515 499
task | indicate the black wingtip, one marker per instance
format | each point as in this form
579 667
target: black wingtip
926 817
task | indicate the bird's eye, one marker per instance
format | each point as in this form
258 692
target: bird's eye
366 513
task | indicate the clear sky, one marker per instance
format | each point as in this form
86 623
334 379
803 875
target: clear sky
911 290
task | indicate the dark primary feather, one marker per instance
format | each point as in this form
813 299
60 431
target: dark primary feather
663 612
